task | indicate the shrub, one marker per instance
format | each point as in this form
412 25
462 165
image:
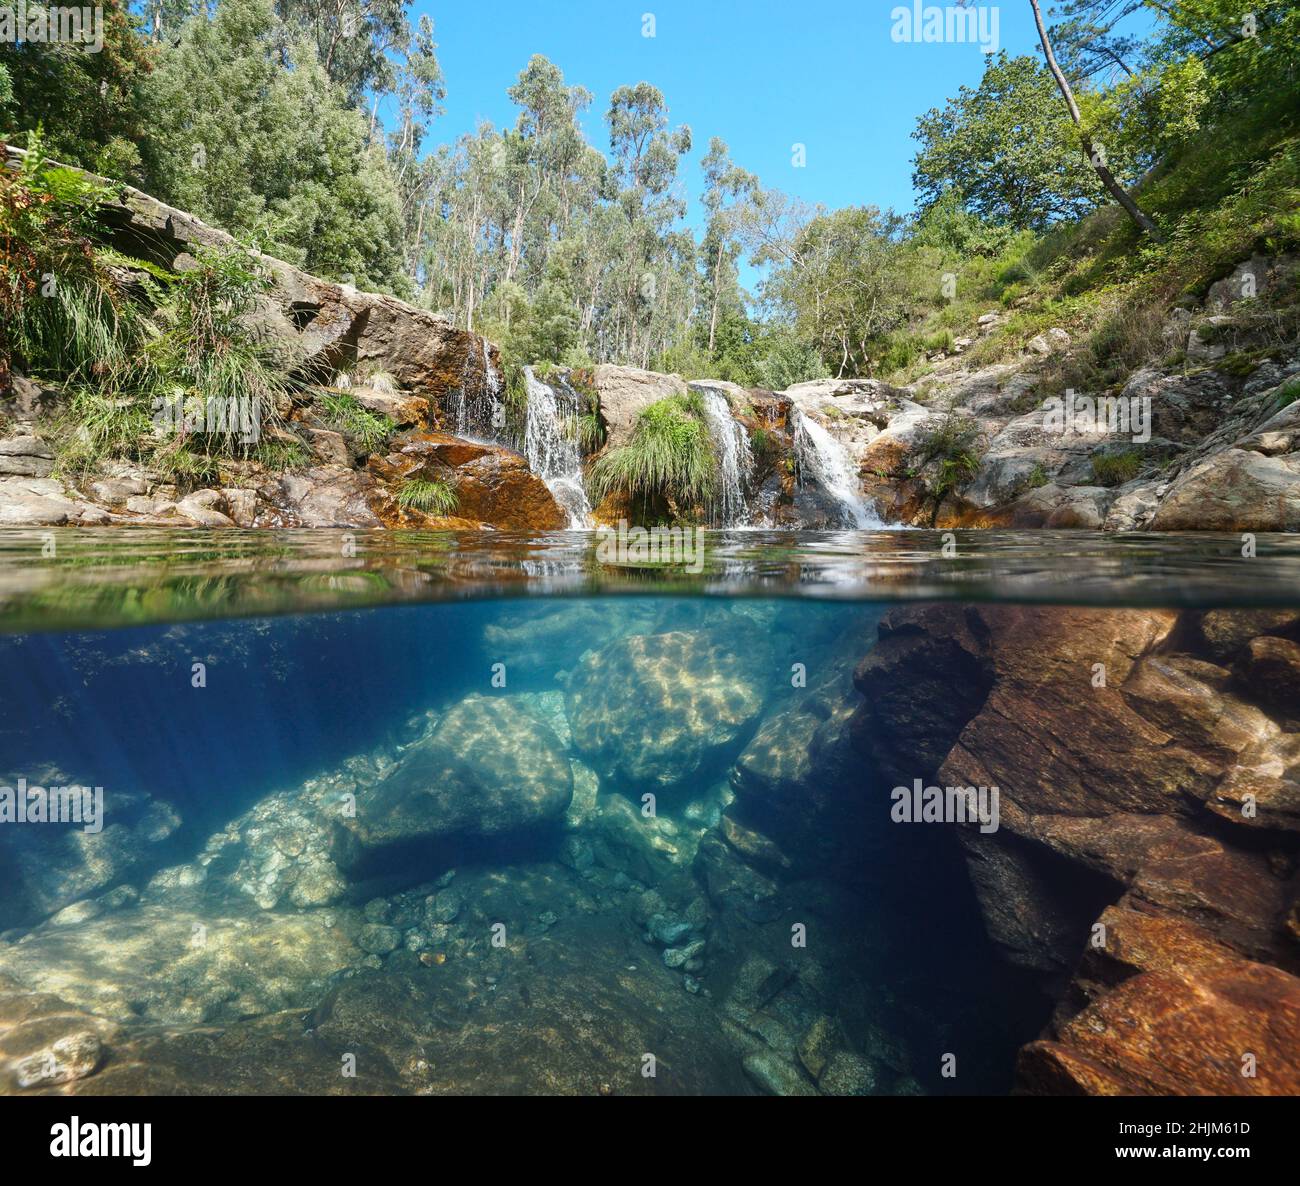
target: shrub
367 430
670 454
1114 469
430 496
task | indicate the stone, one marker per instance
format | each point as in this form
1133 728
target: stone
26 456
851 1074
659 711
203 509
377 939
775 1075
625 392
487 770
76 1056
1234 490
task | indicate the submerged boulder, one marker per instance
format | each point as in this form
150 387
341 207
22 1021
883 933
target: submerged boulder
660 711
487 770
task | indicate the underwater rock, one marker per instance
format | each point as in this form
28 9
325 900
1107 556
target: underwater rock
776 1075
488 769
55 865
658 712
1181 1021
799 792
45 1042
851 1074
1118 743
164 963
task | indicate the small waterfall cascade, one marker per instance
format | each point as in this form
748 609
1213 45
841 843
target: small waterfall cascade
477 405
735 457
551 444
829 464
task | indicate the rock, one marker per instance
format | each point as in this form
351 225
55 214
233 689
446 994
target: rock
26 456
166 963
660 711
487 770
1255 277
76 1056
851 1074
327 496
1234 490
377 939
241 506
775 1075
818 1046
625 392
203 508
1183 1025
330 447
1270 670
34 502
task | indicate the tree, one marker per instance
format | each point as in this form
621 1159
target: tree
90 106
1095 156
1006 150
272 152
725 187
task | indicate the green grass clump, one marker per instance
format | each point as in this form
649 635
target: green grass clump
433 497
1114 469
367 430
671 454
1289 393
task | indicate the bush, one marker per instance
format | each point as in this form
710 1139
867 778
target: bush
432 497
1114 469
671 454
365 429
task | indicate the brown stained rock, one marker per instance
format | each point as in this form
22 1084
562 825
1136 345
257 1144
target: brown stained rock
1270 672
1185 1031
1226 632
494 485
1052 741
1112 802
500 490
1262 790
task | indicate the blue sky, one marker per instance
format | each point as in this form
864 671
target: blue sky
762 74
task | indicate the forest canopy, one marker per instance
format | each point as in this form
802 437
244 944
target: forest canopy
312 131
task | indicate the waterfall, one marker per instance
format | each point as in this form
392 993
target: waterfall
831 467
735 457
476 405
551 444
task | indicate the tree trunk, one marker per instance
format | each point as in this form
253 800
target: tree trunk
1108 179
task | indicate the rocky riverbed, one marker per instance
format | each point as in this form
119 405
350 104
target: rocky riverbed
663 860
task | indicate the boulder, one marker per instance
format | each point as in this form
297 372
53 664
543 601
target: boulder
625 392
654 712
1234 490
26 456
486 771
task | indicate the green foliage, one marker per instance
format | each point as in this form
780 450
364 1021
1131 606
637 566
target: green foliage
91 106
1006 150
368 431
433 497
1114 469
205 351
670 455
60 313
260 141
1289 393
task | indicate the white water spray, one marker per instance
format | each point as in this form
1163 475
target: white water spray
735 457
829 464
551 445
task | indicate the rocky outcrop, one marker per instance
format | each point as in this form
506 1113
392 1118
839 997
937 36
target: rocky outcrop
1147 824
625 392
